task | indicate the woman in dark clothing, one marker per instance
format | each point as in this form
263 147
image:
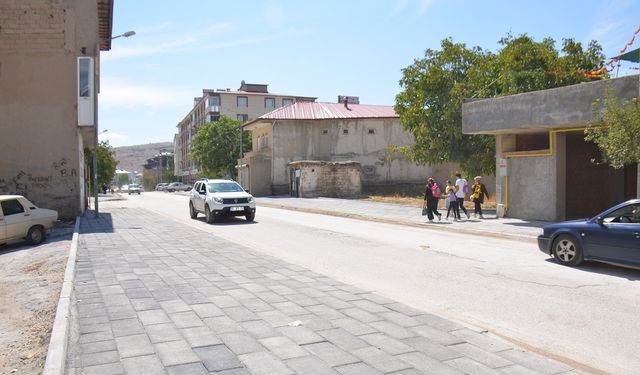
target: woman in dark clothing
478 193
431 199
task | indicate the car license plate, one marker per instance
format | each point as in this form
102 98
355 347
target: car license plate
236 208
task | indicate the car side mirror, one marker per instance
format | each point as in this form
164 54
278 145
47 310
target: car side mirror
600 220
247 190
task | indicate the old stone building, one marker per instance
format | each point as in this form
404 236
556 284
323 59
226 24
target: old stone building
48 83
332 132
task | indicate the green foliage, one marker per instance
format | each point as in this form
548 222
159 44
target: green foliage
216 147
149 180
435 86
123 179
617 131
106 164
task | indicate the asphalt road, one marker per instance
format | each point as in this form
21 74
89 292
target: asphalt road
587 315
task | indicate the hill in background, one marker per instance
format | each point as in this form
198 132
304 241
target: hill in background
133 158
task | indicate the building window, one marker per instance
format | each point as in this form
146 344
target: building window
214 101
243 102
532 142
372 131
213 118
269 102
325 131
286 102
243 118
345 131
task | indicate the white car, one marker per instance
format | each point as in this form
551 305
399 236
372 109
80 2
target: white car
218 198
20 218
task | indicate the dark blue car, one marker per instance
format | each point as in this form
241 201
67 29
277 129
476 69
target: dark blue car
610 237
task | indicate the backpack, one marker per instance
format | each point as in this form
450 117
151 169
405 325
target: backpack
437 193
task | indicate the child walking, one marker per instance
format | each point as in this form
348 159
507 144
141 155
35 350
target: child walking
452 200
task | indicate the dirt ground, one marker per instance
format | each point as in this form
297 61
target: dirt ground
30 282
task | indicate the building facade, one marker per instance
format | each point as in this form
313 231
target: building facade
545 168
332 132
245 104
48 86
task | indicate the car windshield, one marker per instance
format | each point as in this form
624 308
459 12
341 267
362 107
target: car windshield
224 187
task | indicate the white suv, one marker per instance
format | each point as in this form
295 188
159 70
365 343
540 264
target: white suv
217 198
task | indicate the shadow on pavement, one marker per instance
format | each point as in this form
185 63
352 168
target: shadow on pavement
101 224
23 245
630 274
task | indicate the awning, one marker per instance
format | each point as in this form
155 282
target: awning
633 56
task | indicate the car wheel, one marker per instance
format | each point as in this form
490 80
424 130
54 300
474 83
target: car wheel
210 216
35 235
567 250
192 211
251 216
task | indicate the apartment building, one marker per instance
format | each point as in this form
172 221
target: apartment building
247 103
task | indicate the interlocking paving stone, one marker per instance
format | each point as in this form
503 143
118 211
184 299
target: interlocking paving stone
331 354
134 345
428 365
158 300
386 343
379 359
163 332
144 365
217 358
188 369
487 358
534 361
175 353
357 369
263 363
310 365
283 347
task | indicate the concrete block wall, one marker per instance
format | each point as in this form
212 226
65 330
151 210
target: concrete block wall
327 179
31 25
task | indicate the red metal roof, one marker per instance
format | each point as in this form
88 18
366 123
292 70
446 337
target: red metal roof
326 111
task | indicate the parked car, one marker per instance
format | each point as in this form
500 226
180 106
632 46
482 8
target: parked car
612 236
19 218
124 188
162 186
218 198
134 189
178 186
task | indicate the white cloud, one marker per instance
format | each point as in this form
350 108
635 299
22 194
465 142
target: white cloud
120 93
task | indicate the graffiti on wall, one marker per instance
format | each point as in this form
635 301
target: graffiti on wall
23 183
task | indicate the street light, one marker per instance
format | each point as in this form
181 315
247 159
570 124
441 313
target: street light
95 133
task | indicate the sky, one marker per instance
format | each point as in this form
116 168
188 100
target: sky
321 48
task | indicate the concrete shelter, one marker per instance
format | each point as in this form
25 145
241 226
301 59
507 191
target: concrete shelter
544 166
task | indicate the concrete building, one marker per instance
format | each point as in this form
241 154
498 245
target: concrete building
245 104
544 165
48 51
332 132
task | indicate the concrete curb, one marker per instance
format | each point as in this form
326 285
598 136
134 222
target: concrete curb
57 352
476 232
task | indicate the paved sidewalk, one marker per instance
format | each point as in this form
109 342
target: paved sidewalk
153 296
408 215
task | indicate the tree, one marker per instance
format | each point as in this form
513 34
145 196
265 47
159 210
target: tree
216 147
106 164
435 86
617 131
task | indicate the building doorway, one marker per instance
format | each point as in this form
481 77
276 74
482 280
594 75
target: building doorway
591 187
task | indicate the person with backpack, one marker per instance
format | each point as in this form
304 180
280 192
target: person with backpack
479 192
461 192
431 196
452 200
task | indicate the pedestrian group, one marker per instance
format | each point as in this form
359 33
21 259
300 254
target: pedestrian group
454 195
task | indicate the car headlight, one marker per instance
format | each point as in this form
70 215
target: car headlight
218 200
250 199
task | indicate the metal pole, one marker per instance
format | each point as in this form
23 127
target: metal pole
95 135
